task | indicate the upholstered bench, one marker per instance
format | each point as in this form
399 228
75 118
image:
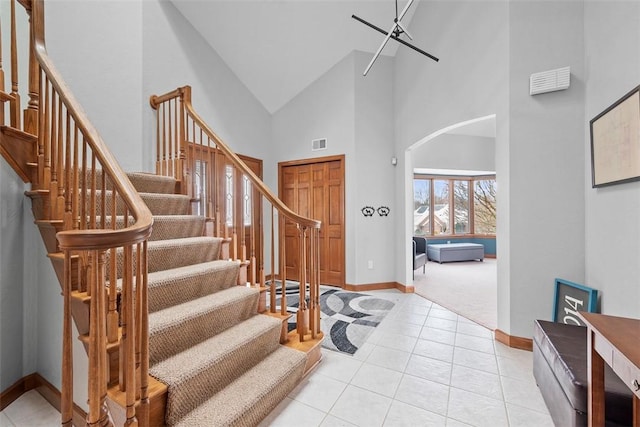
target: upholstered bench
455 252
560 369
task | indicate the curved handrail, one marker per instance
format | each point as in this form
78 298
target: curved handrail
156 100
97 238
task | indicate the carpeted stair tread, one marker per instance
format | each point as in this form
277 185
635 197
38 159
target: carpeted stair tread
166 204
250 398
158 204
174 253
167 254
179 285
149 183
202 370
165 226
177 226
177 328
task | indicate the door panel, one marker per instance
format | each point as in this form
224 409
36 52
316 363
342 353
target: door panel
316 190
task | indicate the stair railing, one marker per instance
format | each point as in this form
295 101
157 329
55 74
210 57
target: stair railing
79 188
12 97
239 205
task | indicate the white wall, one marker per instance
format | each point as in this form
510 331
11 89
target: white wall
612 229
546 158
373 173
450 151
97 47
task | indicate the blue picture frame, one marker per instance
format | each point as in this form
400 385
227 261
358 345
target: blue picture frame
569 298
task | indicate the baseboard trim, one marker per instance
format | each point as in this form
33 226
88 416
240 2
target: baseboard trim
51 394
379 286
514 342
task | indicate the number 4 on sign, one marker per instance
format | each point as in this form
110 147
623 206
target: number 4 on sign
571 312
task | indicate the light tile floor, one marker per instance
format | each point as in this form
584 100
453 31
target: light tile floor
422 366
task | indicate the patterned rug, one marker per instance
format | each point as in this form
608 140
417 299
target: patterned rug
346 318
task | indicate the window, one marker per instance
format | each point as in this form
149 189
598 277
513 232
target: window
421 202
461 222
454 205
484 202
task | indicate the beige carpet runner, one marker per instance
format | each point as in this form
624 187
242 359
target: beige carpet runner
222 362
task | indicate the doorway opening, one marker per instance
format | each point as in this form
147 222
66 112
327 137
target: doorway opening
450 182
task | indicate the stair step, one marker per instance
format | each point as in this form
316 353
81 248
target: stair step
158 204
203 370
250 398
179 285
167 254
167 227
174 253
150 183
177 328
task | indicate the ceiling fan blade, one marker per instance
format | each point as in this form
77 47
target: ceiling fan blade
384 43
404 10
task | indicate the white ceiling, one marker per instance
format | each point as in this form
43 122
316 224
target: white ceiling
278 47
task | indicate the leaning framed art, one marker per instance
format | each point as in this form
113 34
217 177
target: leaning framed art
615 142
570 298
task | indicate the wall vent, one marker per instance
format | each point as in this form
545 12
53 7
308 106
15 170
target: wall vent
549 81
319 144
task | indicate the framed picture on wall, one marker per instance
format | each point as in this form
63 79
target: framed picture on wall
569 299
615 142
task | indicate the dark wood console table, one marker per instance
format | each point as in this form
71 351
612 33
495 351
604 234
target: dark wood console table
616 342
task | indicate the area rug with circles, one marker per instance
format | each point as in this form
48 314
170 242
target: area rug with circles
346 318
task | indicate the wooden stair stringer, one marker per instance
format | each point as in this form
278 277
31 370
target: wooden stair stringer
19 149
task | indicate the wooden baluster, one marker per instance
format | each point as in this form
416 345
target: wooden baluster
37 31
53 152
66 395
143 410
46 179
252 230
301 314
312 282
128 342
283 264
112 316
63 136
163 166
68 175
98 414
272 288
14 104
76 184
158 148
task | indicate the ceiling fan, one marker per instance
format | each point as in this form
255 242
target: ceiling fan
397 29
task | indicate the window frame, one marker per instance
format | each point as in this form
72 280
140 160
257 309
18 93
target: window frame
452 179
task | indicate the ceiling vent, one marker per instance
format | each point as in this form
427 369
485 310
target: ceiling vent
549 81
319 144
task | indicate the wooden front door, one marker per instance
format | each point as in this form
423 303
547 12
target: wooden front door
315 188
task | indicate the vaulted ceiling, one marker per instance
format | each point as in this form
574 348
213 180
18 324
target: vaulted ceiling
278 47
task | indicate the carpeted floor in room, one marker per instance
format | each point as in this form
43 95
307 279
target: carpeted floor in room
467 288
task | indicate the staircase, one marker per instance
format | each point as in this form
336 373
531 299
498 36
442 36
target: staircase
221 361
165 275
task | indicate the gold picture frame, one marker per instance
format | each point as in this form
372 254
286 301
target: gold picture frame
615 142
